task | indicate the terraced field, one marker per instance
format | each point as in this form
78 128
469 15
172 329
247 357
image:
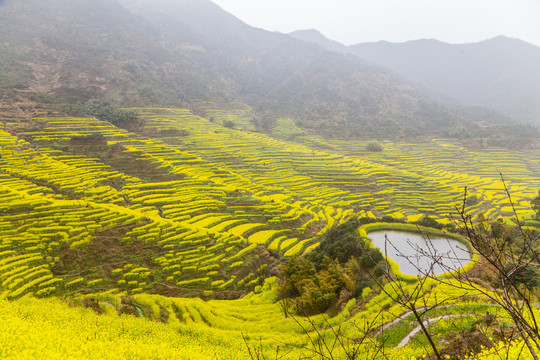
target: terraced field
186 207
200 201
194 329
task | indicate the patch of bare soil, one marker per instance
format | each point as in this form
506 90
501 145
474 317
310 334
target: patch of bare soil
106 252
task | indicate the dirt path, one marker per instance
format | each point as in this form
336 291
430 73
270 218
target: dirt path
427 323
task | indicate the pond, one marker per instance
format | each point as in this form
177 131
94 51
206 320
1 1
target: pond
415 254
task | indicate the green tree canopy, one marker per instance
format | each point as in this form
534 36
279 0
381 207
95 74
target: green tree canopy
105 111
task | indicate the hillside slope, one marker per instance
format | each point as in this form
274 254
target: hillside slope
189 53
279 75
187 207
199 211
72 51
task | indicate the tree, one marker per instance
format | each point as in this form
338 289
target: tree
332 273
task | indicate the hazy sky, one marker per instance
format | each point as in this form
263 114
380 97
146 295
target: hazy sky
355 21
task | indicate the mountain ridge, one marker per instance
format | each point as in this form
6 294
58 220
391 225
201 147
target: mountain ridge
498 73
316 37
191 52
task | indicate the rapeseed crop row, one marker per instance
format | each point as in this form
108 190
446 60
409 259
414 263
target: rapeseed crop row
193 219
238 187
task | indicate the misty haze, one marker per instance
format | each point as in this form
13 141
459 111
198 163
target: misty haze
177 182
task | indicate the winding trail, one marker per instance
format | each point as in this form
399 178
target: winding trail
426 323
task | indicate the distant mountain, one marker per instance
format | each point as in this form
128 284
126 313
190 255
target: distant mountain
501 74
315 37
324 91
191 52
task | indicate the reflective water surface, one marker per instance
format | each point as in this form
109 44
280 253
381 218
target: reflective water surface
416 254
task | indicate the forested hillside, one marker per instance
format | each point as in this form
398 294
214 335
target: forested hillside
186 53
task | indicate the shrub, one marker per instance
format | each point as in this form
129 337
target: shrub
429 222
471 200
105 111
229 124
374 146
343 243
